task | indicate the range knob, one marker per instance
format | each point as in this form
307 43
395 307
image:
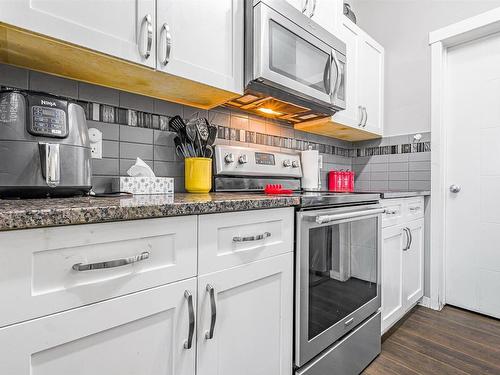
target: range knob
287 163
295 164
243 159
229 158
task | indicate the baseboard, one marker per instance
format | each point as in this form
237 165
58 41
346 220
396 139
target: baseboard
430 304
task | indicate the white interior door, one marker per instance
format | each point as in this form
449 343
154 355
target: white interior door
472 118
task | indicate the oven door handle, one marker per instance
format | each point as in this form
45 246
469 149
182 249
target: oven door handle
322 219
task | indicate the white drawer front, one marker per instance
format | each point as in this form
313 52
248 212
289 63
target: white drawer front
231 239
36 266
414 208
394 212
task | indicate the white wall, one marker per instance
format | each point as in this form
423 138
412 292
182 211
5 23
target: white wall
402 27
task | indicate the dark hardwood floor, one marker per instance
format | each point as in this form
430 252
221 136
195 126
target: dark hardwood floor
451 341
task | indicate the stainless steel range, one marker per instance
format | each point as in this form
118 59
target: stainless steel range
337 261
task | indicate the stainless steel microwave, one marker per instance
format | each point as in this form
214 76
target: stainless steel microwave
294 68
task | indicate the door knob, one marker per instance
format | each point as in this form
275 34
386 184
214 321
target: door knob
455 188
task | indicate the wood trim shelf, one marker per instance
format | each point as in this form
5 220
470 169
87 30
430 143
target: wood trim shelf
44 54
329 128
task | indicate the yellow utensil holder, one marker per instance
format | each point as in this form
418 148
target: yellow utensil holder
198 175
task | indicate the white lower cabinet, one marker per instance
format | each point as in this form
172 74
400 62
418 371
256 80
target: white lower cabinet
139 334
245 319
402 263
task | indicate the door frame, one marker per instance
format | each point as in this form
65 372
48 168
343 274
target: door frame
440 41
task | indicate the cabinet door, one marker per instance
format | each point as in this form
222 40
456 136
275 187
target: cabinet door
139 334
413 264
253 326
122 28
352 115
324 13
206 41
371 83
393 241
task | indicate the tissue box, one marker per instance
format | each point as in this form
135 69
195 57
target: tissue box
144 185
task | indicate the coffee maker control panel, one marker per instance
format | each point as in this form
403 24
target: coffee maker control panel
48 116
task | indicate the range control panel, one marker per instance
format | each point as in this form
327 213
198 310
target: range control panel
48 116
242 161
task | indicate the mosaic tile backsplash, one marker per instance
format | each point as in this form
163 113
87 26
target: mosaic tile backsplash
137 126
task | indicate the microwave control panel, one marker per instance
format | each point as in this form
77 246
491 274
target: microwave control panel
48 117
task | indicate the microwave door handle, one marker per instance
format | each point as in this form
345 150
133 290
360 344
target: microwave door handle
338 78
327 76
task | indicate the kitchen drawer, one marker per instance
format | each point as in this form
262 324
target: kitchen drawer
231 239
394 212
37 275
414 208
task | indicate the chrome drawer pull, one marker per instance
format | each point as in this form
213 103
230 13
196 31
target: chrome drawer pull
414 208
348 322
111 263
213 315
393 212
189 297
257 237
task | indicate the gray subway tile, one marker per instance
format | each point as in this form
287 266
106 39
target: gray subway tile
420 156
419 185
358 168
239 122
164 153
363 176
194 112
398 185
361 160
398 167
379 176
53 84
361 185
398 176
398 139
125 164
13 76
420 176
163 138
398 158
169 168
102 184
170 109
110 132
110 149
98 94
419 166
383 167
179 184
137 102
105 167
137 135
376 159
219 118
379 185
136 150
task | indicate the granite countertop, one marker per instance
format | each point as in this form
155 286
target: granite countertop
35 213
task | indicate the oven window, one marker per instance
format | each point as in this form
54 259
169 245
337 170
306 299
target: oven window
296 58
342 271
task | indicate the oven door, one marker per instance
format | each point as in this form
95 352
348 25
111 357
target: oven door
290 58
337 275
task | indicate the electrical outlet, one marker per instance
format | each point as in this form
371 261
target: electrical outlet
95 137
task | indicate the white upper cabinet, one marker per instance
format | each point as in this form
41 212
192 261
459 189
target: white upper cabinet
371 83
202 40
301 5
124 29
324 13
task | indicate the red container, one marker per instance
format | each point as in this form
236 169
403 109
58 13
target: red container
341 181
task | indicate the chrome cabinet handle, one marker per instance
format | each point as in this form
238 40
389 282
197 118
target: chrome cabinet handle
411 238
366 116
165 29
189 297
304 8
148 23
362 115
322 219
337 80
213 308
311 15
50 161
327 77
407 246
257 237
111 263
348 322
